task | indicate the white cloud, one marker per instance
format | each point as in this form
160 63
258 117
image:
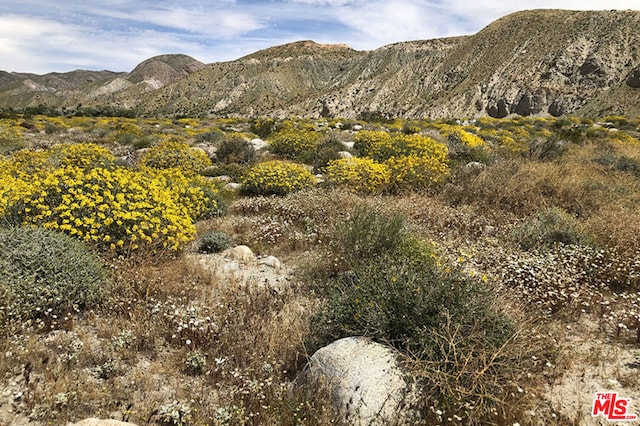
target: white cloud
52 35
327 2
479 13
40 46
216 22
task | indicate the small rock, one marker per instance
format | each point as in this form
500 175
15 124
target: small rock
270 261
233 186
356 127
100 422
223 178
345 154
242 253
230 267
258 143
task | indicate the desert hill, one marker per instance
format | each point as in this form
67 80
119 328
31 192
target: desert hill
539 62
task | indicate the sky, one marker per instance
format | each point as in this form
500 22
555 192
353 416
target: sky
41 36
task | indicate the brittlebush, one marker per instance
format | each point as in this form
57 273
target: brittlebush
381 145
276 178
176 155
413 172
361 175
113 208
296 145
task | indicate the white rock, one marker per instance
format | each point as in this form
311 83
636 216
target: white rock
242 253
270 261
233 186
364 378
345 154
348 144
100 422
230 267
356 127
258 143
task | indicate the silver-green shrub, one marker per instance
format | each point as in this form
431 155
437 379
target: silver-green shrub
45 276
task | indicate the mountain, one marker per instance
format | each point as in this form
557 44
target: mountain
538 62
20 90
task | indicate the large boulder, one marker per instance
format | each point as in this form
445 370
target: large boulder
365 380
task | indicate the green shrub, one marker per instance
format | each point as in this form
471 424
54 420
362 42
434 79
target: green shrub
392 288
367 235
620 163
264 127
210 136
327 151
296 145
144 142
175 155
410 129
46 275
276 178
547 227
195 363
547 149
215 242
9 144
235 149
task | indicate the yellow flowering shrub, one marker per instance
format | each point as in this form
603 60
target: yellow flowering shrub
624 138
419 145
199 195
413 172
176 155
11 186
11 137
77 190
459 135
363 175
84 155
464 146
504 140
276 178
117 209
381 145
296 145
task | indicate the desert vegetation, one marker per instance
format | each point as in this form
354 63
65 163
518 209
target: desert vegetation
478 250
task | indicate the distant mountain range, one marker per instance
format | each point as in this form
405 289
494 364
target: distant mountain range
540 62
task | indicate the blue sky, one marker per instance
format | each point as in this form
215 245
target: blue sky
42 36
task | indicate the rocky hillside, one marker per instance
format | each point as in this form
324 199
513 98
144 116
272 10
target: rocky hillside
529 63
19 90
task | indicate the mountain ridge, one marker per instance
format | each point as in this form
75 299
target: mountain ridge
534 62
